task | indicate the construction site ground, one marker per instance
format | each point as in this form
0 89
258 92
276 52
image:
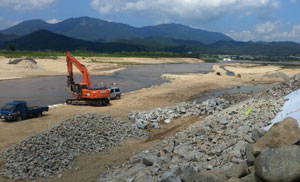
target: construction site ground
181 88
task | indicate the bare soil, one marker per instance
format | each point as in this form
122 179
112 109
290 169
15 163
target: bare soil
96 66
182 88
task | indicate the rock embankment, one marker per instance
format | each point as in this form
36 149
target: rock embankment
185 109
219 148
55 150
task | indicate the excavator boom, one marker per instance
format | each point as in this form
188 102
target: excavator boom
71 60
82 91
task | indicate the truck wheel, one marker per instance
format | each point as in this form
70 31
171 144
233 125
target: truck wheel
19 118
39 114
118 97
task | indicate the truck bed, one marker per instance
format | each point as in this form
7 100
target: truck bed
35 109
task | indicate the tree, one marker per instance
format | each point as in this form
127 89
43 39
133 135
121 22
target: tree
12 47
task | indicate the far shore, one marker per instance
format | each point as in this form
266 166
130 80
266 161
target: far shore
95 65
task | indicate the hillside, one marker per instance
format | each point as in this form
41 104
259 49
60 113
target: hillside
6 37
45 40
178 31
92 29
257 48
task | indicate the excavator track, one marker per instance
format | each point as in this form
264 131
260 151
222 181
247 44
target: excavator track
94 102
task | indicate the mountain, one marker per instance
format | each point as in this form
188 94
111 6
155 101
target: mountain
27 27
42 40
257 48
92 29
183 32
162 43
7 37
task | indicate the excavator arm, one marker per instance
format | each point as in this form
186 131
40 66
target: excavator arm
71 60
85 95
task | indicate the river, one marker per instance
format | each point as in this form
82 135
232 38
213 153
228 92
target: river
52 90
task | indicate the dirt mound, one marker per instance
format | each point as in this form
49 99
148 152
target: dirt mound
27 63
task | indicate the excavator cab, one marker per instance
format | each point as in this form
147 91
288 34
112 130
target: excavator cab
77 88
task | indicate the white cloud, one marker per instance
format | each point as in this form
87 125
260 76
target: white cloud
265 28
244 35
200 9
293 35
25 4
103 8
13 23
163 21
53 21
269 31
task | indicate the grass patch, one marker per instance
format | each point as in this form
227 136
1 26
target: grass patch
288 66
116 62
54 55
209 60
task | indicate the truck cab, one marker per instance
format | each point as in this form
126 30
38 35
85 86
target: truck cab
18 110
115 93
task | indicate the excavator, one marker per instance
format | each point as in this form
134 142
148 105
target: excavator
85 95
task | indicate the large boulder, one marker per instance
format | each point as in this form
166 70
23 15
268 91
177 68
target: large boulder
251 178
257 133
170 177
279 164
211 176
286 132
249 154
186 173
238 170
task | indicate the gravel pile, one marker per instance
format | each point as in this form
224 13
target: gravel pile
27 63
17 61
185 109
54 151
278 75
216 143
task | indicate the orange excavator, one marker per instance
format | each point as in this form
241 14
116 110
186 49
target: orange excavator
85 95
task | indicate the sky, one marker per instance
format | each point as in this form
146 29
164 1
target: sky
243 20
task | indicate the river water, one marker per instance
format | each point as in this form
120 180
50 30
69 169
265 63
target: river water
52 90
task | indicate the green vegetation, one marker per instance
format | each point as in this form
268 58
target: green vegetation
42 55
12 47
118 63
289 66
154 47
276 59
210 58
54 55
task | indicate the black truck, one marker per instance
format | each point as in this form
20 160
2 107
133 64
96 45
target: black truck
18 110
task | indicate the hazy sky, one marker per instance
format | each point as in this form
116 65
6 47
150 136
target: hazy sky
267 20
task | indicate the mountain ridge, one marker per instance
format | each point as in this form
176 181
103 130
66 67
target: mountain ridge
93 29
44 40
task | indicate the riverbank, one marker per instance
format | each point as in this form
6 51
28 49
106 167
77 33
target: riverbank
210 149
181 88
95 65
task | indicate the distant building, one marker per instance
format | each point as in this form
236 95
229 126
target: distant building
227 59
